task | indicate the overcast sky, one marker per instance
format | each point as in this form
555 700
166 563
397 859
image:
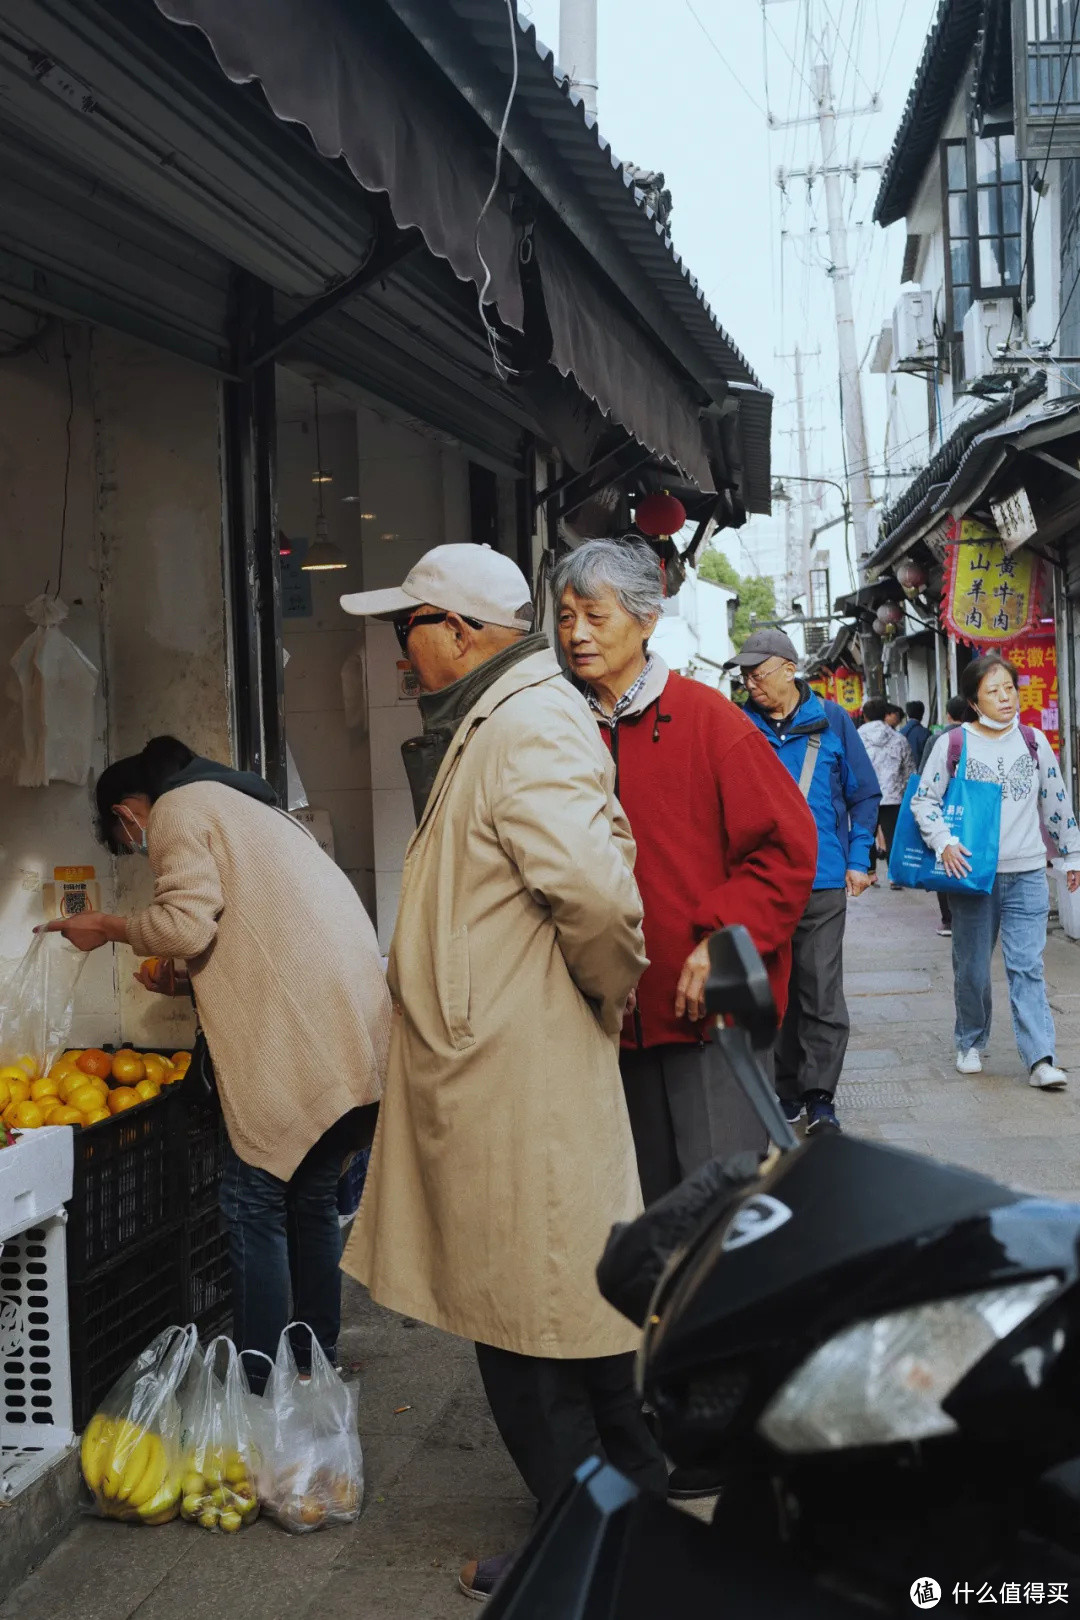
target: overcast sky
685 87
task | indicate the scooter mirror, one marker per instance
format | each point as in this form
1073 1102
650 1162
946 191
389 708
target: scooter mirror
738 986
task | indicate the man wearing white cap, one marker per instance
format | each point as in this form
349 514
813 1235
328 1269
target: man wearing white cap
503 1153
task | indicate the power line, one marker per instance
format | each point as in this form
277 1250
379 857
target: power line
755 104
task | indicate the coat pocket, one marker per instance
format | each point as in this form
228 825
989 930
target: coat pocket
459 990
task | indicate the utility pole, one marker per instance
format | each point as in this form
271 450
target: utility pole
831 173
862 499
804 485
577 48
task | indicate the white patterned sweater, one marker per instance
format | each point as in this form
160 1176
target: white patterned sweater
1027 793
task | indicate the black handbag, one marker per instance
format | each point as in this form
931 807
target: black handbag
199 1085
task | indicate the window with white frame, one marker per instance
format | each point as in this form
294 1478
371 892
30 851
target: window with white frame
982 204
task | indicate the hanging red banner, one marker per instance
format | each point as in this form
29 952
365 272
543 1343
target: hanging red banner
991 595
822 685
1036 661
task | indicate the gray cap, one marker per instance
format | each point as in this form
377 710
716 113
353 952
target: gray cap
761 645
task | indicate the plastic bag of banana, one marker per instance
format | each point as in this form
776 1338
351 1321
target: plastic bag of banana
132 1453
220 1454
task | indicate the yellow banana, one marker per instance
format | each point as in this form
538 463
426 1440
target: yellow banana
153 1476
163 1506
94 1452
126 1439
135 1465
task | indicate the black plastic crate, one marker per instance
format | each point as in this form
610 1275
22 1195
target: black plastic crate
117 1309
206 1139
207 1273
130 1181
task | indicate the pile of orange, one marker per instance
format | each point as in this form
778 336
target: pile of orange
84 1088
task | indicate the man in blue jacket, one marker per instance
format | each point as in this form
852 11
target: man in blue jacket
820 746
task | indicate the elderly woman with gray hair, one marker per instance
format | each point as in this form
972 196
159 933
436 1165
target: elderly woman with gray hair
723 836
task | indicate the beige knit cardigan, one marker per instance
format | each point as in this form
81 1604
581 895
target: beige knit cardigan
284 964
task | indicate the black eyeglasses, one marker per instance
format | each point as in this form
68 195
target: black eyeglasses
403 627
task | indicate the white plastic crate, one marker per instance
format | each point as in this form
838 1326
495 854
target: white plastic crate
35 1177
35 1367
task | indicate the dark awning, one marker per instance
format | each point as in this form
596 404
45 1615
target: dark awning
355 79
984 457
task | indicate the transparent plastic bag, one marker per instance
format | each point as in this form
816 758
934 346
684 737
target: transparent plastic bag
221 1455
37 1001
57 685
131 1449
312 1471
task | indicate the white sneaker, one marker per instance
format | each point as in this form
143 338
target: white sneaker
1046 1076
970 1062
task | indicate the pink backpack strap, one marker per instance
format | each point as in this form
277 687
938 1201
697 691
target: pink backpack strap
1028 734
956 743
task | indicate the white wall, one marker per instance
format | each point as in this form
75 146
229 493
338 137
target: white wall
143 576
333 759
41 828
417 489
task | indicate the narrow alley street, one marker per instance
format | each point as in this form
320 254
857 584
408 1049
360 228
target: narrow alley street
440 1488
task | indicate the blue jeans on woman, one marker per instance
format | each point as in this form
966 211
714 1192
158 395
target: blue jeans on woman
285 1242
1017 908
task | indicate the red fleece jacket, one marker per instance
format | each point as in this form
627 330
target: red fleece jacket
723 836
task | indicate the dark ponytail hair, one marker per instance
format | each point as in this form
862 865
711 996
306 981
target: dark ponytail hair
149 773
973 675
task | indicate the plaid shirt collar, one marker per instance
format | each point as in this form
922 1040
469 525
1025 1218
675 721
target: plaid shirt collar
627 699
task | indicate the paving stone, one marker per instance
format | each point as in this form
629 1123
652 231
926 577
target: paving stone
885 983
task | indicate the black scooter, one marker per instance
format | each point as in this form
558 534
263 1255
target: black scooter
877 1355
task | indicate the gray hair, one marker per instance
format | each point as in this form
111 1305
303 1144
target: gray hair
627 567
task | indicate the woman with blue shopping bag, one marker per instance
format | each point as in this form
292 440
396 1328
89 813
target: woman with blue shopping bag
1033 813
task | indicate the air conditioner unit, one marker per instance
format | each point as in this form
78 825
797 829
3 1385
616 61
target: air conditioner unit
986 329
914 344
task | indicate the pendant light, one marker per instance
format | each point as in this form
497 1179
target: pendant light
323 556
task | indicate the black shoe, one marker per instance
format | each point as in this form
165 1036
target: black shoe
820 1113
690 1484
793 1109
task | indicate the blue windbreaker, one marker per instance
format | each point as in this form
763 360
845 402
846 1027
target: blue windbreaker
844 794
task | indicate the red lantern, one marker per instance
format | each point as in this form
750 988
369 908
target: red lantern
889 612
910 575
660 516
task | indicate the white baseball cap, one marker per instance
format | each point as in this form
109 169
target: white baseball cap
471 580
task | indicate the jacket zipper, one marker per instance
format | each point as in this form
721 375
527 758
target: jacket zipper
639 1032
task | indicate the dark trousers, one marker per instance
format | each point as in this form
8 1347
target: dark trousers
555 1415
812 1043
887 814
685 1107
285 1244
944 908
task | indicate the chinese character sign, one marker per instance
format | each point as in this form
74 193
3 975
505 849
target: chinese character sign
848 690
1036 662
821 684
990 593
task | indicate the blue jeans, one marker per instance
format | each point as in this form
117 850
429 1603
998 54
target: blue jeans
285 1241
1017 908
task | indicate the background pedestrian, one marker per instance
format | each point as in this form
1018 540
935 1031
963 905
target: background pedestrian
819 747
1033 797
892 761
914 731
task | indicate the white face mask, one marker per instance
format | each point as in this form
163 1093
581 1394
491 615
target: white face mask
995 725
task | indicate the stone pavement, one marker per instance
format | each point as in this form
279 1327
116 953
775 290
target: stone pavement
440 1488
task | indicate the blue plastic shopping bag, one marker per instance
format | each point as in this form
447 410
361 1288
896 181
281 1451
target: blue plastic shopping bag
972 812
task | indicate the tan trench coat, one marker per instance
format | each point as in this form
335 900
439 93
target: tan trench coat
503 1152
